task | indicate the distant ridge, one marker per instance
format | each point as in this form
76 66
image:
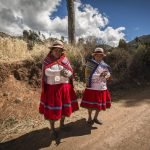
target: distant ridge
141 39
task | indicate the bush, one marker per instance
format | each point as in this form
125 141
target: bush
118 59
140 65
76 58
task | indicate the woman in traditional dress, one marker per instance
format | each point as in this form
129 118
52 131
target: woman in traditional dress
96 95
58 98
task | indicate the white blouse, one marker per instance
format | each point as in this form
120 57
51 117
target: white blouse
54 76
97 82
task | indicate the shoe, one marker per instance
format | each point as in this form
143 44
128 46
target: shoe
54 134
90 122
97 121
62 127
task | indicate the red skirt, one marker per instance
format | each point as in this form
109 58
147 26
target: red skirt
58 100
96 99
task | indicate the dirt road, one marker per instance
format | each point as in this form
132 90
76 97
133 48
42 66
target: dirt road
126 127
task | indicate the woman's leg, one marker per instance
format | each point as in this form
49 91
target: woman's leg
62 120
96 116
89 115
52 125
53 131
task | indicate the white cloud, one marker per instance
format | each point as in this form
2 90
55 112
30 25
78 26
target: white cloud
112 36
90 22
23 14
37 14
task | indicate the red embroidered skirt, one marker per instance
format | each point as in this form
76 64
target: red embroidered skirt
58 100
96 99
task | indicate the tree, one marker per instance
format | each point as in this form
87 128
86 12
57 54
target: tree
62 38
31 37
25 34
122 44
91 40
71 21
81 41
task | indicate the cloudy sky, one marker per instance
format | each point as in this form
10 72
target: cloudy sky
109 20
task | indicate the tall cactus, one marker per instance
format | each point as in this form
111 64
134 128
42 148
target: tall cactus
71 21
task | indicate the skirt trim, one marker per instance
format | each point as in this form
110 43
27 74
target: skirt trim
95 103
58 107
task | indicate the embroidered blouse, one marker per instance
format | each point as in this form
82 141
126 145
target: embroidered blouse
98 82
54 76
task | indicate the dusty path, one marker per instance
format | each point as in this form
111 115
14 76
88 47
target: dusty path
126 127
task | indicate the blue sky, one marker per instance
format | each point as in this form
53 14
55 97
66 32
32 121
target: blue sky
131 14
107 20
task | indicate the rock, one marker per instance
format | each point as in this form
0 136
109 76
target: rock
18 100
6 94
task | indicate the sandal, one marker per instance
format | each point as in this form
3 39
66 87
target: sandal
98 121
90 122
54 134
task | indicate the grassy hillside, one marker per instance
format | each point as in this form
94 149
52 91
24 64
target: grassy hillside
126 63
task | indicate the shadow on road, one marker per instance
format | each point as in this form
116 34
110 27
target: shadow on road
38 139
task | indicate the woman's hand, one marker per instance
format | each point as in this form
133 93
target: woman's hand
103 74
106 75
65 73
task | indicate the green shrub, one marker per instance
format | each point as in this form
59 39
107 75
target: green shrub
140 65
118 59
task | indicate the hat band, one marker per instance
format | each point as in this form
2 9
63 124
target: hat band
98 52
57 45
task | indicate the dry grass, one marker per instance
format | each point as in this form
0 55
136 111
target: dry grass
74 52
12 49
15 50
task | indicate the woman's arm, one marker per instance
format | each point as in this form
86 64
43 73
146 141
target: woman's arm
58 69
54 69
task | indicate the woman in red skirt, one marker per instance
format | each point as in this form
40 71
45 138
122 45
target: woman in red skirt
96 95
58 98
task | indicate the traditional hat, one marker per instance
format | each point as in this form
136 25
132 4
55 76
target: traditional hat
99 50
58 44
